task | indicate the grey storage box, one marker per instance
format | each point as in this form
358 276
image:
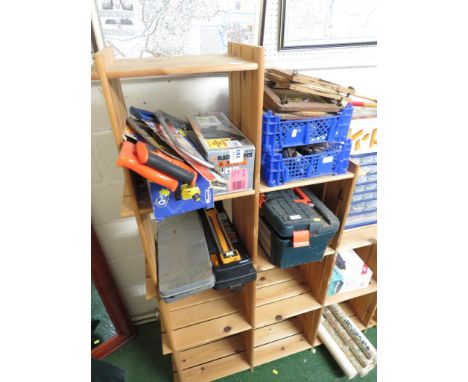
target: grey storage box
184 265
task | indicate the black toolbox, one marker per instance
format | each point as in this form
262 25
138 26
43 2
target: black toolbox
295 227
234 274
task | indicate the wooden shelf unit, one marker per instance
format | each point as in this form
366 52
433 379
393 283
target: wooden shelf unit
217 333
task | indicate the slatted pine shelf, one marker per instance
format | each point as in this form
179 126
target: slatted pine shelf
212 315
145 206
282 294
340 297
171 66
264 264
305 182
218 333
358 237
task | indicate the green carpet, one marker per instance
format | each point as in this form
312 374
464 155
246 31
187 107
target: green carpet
143 361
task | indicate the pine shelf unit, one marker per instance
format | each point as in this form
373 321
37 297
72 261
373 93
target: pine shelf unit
217 333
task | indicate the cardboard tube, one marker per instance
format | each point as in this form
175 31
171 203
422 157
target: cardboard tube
336 352
367 348
344 335
362 371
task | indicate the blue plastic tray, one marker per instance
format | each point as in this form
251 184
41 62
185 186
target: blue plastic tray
277 170
277 134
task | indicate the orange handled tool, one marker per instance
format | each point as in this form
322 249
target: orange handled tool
128 159
164 163
304 198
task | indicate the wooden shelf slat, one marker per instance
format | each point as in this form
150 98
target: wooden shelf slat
212 351
283 309
199 298
233 195
176 65
358 237
281 348
340 297
306 182
206 311
264 264
146 207
218 368
281 291
276 275
277 331
209 331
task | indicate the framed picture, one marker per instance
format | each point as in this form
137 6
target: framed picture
306 24
149 28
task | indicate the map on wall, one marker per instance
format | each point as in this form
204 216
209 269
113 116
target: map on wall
307 23
146 28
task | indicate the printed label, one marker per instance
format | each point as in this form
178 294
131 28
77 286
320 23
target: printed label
236 155
294 133
295 217
317 219
208 121
218 143
238 179
327 159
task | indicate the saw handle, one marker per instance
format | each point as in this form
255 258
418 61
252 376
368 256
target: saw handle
165 164
128 159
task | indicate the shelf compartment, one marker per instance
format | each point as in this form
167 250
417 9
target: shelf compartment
205 311
212 351
200 298
264 264
281 294
145 207
358 237
217 314
306 182
340 297
277 331
178 65
218 368
209 331
279 340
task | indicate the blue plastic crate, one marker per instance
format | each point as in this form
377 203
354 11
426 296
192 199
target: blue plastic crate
277 134
277 170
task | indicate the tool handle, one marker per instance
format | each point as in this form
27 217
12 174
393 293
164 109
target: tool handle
164 165
304 198
128 158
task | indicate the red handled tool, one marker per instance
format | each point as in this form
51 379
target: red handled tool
128 158
161 162
304 198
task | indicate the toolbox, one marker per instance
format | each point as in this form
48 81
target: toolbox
184 266
232 266
295 227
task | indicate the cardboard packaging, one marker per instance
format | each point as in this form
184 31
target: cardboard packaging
350 273
227 148
167 203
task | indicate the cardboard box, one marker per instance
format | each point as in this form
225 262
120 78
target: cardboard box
227 148
166 203
350 273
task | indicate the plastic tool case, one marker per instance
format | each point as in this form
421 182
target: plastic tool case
295 227
184 265
232 266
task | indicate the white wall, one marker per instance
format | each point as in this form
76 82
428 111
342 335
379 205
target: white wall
119 237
